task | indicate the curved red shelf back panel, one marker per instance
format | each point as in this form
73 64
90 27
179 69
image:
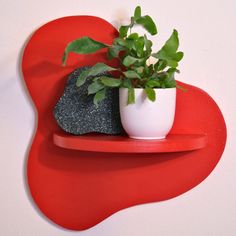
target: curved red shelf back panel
77 189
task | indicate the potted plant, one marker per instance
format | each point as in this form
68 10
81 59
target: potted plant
147 89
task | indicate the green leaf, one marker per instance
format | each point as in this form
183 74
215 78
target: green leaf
99 96
148 70
151 94
172 63
170 83
113 51
131 96
129 43
139 45
169 51
131 74
110 82
126 83
139 69
97 69
153 83
133 36
95 87
177 56
160 65
82 78
172 43
162 75
129 60
171 72
119 41
148 44
171 59
170 80
137 12
148 24
100 68
84 45
123 31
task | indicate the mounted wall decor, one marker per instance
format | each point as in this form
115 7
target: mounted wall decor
78 181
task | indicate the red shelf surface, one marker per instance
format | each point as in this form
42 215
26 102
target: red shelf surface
124 144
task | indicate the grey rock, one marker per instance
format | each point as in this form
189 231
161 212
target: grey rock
75 112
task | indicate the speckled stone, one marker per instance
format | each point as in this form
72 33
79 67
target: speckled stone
75 112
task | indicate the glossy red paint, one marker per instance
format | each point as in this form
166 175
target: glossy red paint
77 189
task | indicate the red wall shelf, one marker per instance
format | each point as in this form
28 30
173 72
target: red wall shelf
124 144
78 189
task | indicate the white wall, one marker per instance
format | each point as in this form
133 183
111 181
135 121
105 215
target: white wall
208 37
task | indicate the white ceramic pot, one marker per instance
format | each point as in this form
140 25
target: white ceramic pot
146 119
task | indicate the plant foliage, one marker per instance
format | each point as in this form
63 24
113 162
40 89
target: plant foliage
133 51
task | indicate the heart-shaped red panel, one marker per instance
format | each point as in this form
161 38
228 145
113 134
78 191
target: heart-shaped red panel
78 189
